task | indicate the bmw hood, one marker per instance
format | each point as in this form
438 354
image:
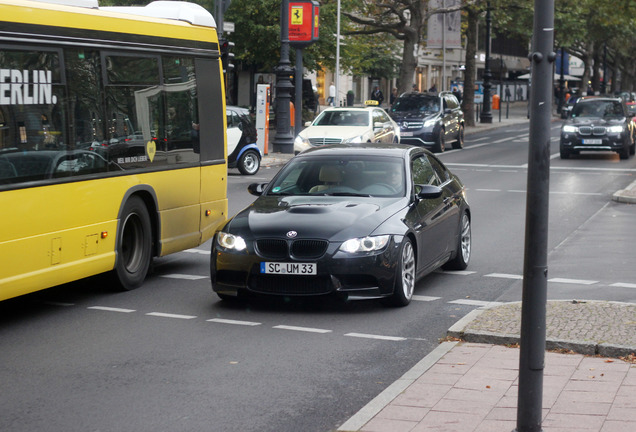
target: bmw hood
332 218
595 121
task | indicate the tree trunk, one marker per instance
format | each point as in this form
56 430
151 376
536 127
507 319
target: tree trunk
468 98
409 63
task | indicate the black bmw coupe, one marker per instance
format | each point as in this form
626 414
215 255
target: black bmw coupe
364 221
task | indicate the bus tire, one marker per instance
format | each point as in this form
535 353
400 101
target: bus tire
134 245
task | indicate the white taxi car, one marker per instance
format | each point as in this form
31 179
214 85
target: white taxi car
348 125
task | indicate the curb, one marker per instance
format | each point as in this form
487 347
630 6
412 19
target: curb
627 195
460 331
376 405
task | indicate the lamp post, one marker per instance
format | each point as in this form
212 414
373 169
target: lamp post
486 115
561 83
284 140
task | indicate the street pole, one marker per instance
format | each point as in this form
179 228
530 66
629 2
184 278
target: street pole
535 268
298 97
283 140
486 115
561 83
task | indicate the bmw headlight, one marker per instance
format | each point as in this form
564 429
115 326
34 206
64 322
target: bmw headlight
231 242
569 128
355 140
615 129
365 244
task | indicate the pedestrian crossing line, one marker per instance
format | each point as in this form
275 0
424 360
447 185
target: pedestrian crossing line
183 276
623 285
378 337
111 309
234 322
424 298
573 281
480 303
168 315
504 276
302 329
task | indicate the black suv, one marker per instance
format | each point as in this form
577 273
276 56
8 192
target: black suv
429 120
598 124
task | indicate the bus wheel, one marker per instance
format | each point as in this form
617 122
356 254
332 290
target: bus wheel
134 245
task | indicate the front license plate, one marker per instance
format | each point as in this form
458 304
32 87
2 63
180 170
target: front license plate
592 141
288 268
406 133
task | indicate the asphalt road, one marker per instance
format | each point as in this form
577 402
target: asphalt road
172 357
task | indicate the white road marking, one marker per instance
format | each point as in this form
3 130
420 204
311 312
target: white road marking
456 272
234 322
573 281
623 285
167 315
183 276
488 190
198 251
111 309
54 303
378 337
424 298
303 329
469 302
504 276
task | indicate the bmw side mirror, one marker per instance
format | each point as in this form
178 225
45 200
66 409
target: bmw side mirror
428 191
256 188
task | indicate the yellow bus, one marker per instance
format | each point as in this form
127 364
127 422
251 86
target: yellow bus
112 139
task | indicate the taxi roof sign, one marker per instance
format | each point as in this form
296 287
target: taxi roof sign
371 102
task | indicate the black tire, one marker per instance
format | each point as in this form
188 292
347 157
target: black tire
632 149
405 278
459 143
134 245
249 162
623 154
440 144
464 246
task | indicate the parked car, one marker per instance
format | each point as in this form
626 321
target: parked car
429 119
364 221
348 126
242 151
598 124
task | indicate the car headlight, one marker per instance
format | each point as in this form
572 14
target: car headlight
231 242
365 244
356 139
429 123
301 141
569 128
615 129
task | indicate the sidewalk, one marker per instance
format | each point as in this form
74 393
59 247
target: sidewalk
471 385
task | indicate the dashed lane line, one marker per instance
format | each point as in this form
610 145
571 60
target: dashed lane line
504 276
234 322
112 309
424 298
479 303
573 281
623 285
184 276
168 315
302 329
378 337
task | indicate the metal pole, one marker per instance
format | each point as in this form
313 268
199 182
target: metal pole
298 99
535 268
561 83
443 86
283 140
486 115
337 101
